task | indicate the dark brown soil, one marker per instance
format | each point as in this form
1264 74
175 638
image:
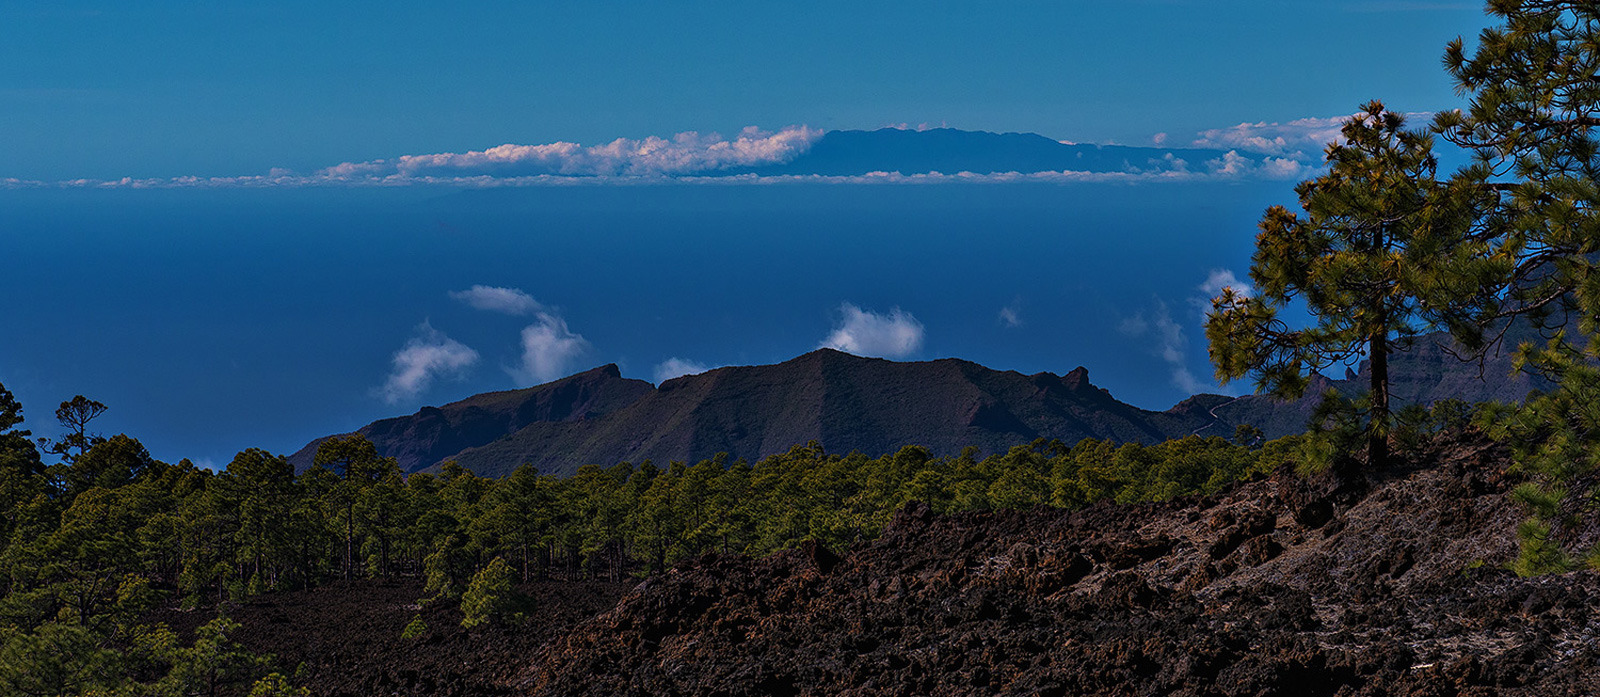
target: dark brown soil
1388 585
345 639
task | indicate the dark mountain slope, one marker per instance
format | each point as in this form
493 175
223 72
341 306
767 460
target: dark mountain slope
435 433
846 403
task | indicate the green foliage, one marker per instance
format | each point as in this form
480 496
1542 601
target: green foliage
1416 424
441 569
1531 126
1542 502
1248 435
275 685
214 660
489 596
74 416
1537 553
1383 253
415 628
91 541
55 659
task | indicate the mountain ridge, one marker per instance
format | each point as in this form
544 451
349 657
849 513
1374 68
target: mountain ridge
848 403
844 402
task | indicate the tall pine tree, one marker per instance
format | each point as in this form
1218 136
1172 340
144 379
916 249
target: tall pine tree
1383 252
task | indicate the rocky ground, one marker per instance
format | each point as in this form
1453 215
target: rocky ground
344 640
1385 585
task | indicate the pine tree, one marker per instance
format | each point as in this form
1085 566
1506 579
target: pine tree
1383 253
1531 125
489 596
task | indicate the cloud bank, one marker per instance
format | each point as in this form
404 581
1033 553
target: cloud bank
1259 150
683 154
863 333
1297 141
427 355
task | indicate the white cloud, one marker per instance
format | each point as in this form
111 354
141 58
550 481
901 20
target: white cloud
1300 140
685 153
676 368
1215 281
864 333
549 349
483 181
1224 278
1232 165
425 356
1280 168
1166 339
511 301
1294 138
1168 168
1260 150
1011 315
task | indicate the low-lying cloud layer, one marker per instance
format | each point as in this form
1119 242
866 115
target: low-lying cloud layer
896 334
1260 150
683 154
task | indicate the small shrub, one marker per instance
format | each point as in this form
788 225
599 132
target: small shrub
438 580
415 628
489 596
275 685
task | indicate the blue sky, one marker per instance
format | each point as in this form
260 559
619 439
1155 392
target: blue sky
166 89
277 264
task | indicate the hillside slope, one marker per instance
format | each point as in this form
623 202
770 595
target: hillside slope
437 433
1389 586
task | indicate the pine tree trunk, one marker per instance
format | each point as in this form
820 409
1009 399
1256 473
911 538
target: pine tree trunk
349 543
1378 424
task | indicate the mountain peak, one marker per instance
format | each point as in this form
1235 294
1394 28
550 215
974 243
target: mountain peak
609 370
1077 379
